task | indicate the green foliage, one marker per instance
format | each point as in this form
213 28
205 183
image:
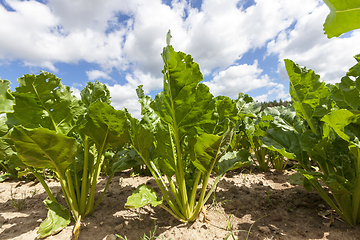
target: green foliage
183 135
58 217
6 99
328 136
343 17
50 129
143 196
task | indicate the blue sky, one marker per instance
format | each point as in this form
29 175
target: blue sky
239 44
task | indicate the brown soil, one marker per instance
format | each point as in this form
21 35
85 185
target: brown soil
254 205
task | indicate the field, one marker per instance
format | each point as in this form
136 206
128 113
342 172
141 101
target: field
212 160
265 202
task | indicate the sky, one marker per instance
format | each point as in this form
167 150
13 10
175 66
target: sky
239 45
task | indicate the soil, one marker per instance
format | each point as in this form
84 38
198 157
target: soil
247 205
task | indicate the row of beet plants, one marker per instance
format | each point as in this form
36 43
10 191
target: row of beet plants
322 135
185 134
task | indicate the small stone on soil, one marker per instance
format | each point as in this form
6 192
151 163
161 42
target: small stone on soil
110 237
264 229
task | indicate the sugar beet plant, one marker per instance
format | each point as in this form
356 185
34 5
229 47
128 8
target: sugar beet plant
324 136
182 138
49 128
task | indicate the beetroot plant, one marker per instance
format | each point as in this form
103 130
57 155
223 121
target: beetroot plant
183 138
49 128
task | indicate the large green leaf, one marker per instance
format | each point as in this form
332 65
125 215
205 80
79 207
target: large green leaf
106 126
338 119
58 218
310 96
246 106
285 118
234 160
41 100
166 150
149 118
6 99
141 139
94 92
125 159
3 126
142 196
284 142
346 94
210 148
184 101
344 16
43 148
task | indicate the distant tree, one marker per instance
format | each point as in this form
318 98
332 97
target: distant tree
275 103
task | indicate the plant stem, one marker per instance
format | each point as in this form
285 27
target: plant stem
84 185
175 193
43 183
72 194
356 193
94 179
194 190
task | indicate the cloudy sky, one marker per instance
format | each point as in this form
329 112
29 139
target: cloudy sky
239 44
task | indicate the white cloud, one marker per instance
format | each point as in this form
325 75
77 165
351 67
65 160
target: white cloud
221 33
75 92
276 91
96 74
217 36
37 36
307 45
124 96
240 78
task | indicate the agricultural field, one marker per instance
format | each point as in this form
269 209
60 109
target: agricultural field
195 166
253 204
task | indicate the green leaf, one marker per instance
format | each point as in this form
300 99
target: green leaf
5 176
94 92
41 100
126 159
58 218
210 148
246 106
6 99
141 139
296 179
166 150
142 196
184 101
285 118
354 71
234 160
343 17
106 126
3 126
43 148
346 94
284 142
338 119
149 118
310 96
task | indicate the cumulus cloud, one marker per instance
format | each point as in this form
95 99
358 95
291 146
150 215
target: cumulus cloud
308 46
124 96
129 35
240 78
96 74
